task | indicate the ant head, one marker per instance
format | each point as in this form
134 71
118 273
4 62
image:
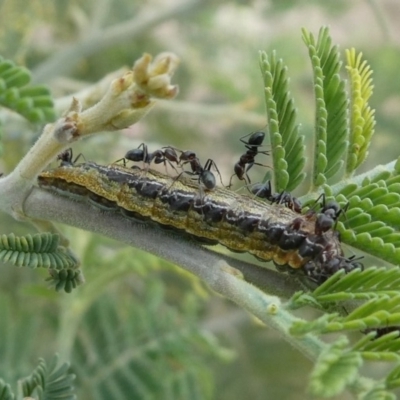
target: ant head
65 157
353 262
332 205
330 213
296 205
324 223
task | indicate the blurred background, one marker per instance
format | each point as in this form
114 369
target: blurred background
141 328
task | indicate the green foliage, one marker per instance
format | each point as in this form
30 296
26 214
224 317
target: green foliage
378 286
372 220
375 313
42 250
383 348
5 391
32 102
362 120
286 142
49 382
45 383
335 369
331 127
393 379
356 285
145 349
126 349
378 317
65 279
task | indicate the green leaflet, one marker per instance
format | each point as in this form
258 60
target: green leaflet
35 251
357 285
65 279
32 102
393 379
135 359
372 220
362 119
336 368
286 142
331 126
42 251
379 348
5 391
376 313
48 382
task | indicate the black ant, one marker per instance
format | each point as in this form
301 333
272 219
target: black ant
329 215
252 144
204 174
264 191
331 266
159 156
66 158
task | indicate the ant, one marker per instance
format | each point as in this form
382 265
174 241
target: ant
204 174
159 156
264 191
66 158
329 215
252 144
331 266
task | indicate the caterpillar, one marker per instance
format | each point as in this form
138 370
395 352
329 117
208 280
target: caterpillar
270 232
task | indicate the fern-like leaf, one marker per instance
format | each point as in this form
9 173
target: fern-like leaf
144 351
32 102
65 279
372 220
286 143
393 379
331 129
362 119
336 368
378 392
49 382
35 251
358 285
383 348
376 313
5 391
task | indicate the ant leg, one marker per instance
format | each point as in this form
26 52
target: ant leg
243 178
230 182
261 165
176 178
78 157
208 166
123 159
343 210
248 178
323 197
170 163
311 210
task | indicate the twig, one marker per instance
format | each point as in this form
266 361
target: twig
64 61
